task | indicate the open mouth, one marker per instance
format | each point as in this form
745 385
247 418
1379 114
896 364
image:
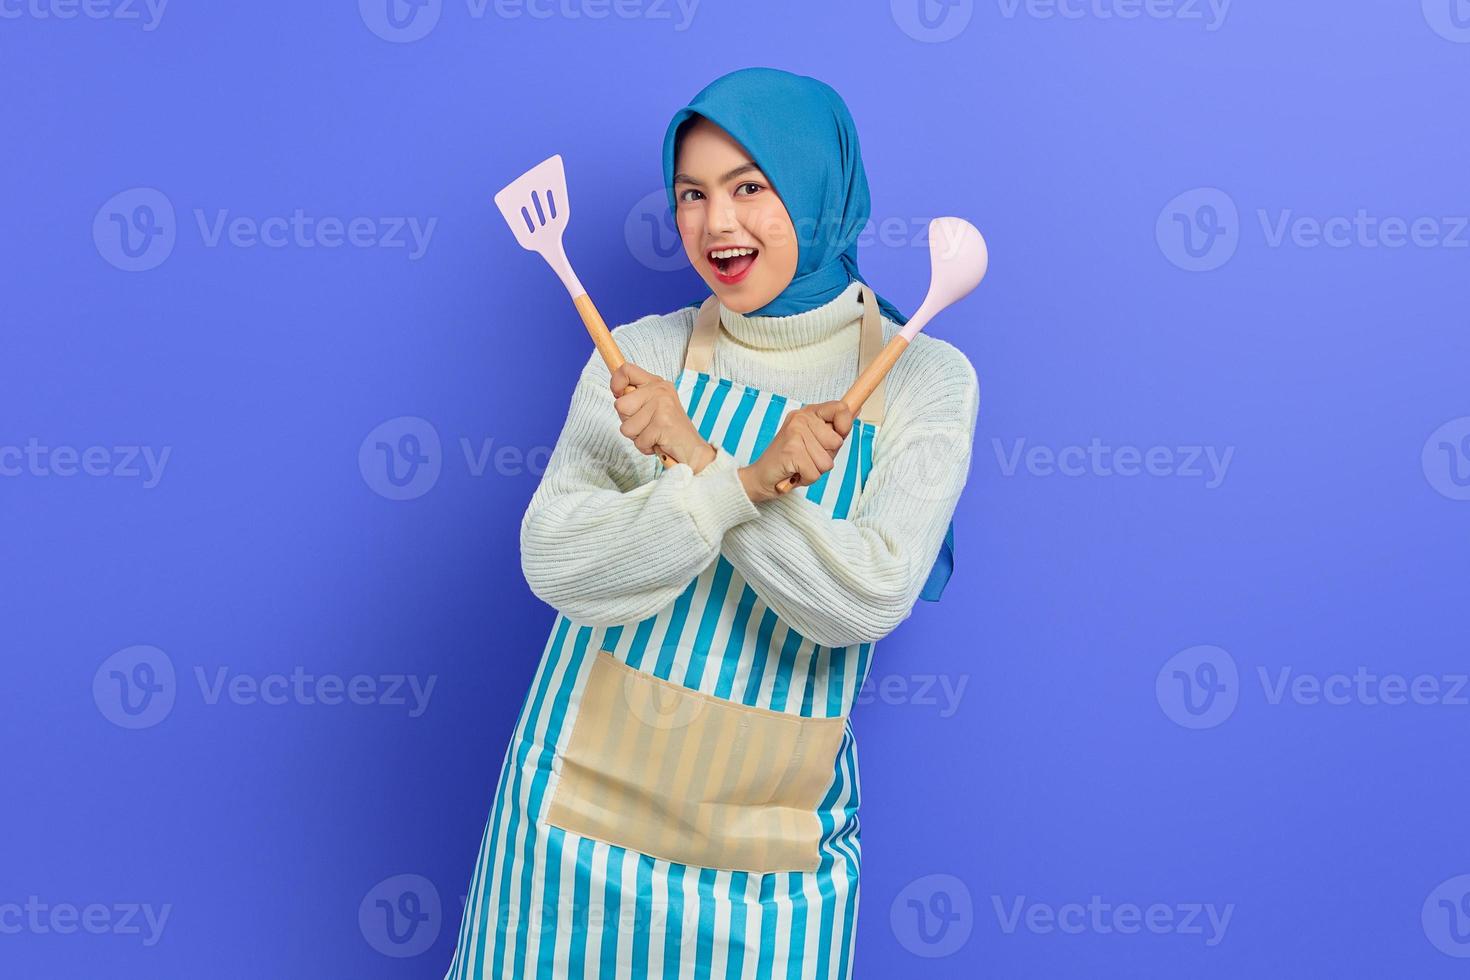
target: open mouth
732 263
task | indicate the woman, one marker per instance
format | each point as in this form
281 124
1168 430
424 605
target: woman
680 796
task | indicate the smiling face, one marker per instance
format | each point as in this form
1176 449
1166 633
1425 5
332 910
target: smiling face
735 229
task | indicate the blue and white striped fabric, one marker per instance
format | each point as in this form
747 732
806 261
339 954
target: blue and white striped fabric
545 902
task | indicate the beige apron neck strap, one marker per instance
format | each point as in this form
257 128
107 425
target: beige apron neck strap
869 345
700 351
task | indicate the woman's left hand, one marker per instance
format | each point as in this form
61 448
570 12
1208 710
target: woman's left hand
654 418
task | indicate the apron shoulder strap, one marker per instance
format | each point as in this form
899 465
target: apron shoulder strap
869 346
701 348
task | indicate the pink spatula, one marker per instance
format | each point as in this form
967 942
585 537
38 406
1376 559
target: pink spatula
958 259
536 207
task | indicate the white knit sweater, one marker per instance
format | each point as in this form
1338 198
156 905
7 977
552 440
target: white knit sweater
608 539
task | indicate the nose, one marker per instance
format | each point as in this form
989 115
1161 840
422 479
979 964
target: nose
720 219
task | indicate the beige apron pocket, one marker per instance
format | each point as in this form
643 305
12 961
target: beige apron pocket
684 776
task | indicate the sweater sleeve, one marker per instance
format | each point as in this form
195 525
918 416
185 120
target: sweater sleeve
844 582
607 538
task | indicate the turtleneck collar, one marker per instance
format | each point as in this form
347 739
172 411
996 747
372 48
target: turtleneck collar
810 328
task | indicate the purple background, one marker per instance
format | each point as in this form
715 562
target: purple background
1067 768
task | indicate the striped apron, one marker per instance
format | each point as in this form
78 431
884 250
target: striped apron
680 795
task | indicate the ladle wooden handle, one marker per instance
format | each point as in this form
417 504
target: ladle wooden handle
864 386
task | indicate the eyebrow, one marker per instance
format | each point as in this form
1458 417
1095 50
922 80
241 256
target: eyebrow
743 168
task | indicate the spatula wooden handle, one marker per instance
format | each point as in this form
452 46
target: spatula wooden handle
602 339
861 389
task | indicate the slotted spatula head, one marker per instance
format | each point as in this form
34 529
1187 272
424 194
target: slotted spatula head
536 207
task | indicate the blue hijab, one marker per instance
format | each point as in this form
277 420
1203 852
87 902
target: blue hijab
799 132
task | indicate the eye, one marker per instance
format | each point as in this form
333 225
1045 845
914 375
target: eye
749 183
683 194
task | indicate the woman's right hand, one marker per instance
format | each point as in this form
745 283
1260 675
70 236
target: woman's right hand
806 444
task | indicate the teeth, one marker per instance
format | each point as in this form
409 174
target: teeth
730 253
